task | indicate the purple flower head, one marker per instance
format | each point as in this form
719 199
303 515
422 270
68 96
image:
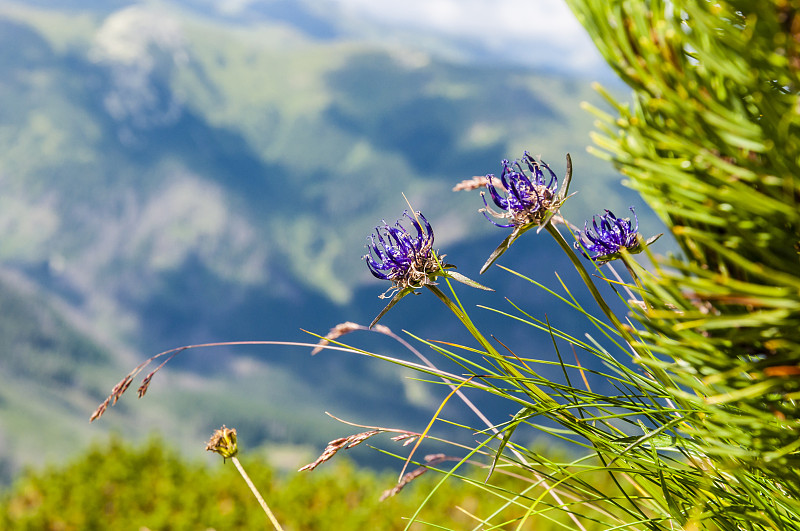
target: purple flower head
609 237
529 196
407 259
398 255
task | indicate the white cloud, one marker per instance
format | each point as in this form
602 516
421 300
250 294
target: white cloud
539 32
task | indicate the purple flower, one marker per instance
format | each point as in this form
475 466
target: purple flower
407 259
529 196
404 258
609 237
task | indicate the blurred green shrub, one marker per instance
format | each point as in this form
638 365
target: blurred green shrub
120 486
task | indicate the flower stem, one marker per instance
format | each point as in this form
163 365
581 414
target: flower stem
655 370
588 281
626 260
544 399
257 494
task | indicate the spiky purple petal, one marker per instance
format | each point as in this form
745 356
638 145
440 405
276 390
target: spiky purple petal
527 198
609 237
398 255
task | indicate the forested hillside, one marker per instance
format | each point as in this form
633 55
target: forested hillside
171 177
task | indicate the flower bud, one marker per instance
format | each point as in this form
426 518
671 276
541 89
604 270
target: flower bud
223 442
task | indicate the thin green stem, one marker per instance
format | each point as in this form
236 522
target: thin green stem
545 399
589 283
257 494
625 331
626 260
464 318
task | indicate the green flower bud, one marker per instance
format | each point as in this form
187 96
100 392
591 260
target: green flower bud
223 442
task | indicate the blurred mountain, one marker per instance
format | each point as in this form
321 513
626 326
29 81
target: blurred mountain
171 175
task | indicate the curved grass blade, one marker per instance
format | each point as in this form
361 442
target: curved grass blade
397 296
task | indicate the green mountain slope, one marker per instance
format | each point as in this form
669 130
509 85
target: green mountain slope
49 376
167 179
160 136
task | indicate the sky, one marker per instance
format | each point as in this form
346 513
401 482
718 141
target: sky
526 32
534 32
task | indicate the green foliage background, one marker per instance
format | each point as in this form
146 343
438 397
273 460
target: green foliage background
711 142
118 486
